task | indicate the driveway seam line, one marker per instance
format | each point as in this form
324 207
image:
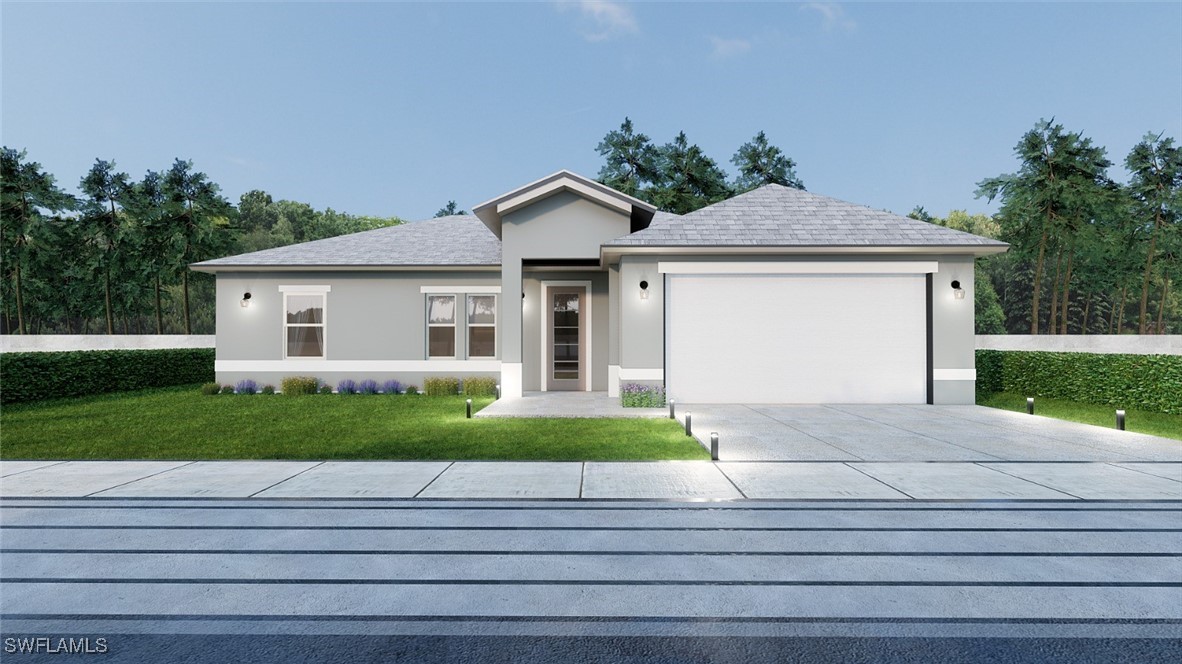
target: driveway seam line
315 465
882 482
1024 479
728 478
917 434
166 470
802 431
48 465
1114 464
445 469
582 473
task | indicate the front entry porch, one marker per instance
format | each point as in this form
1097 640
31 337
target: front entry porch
566 404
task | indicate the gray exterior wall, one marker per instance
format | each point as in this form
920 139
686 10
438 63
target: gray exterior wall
562 226
642 322
372 319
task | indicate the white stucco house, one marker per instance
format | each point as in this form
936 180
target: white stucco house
773 296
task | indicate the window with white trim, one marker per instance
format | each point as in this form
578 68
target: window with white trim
482 326
441 326
303 325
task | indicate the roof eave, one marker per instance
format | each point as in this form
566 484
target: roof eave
474 267
609 251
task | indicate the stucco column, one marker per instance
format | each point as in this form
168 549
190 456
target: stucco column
511 327
613 330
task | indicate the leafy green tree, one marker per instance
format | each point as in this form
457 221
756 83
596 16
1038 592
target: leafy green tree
631 160
256 212
26 190
689 180
450 209
200 220
761 163
1156 188
107 191
152 229
1058 187
989 316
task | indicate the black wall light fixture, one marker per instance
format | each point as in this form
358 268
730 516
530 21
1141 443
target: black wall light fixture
643 290
957 291
245 300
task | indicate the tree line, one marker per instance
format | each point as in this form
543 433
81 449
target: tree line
1089 255
115 259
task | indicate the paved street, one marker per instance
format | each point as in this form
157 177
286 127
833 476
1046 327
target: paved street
486 581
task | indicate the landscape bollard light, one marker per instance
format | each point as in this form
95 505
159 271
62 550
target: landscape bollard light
469 407
498 390
714 446
672 410
688 429
1120 420
1029 405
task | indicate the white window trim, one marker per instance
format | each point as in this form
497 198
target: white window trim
454 325
449 290
799 267
304 289
322 291
469 325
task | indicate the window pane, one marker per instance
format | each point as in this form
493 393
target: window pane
566 302
482 309
305 341
566 335
305 308
441 342
566 352
482 342
441 309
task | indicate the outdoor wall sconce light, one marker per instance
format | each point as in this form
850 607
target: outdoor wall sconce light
644 290
245 300
957 291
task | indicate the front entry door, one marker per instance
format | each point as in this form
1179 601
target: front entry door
566 338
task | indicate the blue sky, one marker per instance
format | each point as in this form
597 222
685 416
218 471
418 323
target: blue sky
393 109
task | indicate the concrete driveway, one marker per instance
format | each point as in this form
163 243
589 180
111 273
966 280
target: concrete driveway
913 433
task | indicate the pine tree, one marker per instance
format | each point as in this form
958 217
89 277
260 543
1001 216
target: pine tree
761 163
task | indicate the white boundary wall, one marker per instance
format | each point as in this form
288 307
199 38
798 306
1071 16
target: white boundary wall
1128 344
44 343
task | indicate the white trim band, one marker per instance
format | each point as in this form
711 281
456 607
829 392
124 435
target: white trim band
954 374
799 267
297 365
642 374
460 289
298 288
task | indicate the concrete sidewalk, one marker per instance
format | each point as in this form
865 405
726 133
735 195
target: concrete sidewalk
665 480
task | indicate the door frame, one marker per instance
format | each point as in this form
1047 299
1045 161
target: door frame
545 318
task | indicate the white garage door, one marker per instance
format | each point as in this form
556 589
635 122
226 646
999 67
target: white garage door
797 338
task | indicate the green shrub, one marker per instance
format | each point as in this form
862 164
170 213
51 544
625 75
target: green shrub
326 389
34 376
635 395
211 388
1141 382
268 389
412 389
227 389
441 386
296 385
480 386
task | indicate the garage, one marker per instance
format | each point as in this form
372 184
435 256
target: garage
798 333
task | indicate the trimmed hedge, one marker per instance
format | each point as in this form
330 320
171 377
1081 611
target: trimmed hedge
36 376
1142 382
441 386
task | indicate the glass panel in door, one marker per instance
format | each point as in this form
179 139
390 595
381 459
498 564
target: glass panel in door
565 337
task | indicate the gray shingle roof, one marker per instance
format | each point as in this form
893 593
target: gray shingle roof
454 240
774 215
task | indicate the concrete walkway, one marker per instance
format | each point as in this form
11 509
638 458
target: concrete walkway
566 404
664 480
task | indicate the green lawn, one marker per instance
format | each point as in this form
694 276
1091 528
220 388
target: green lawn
1158 424
182 423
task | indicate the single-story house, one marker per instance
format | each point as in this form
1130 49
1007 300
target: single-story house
773 296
